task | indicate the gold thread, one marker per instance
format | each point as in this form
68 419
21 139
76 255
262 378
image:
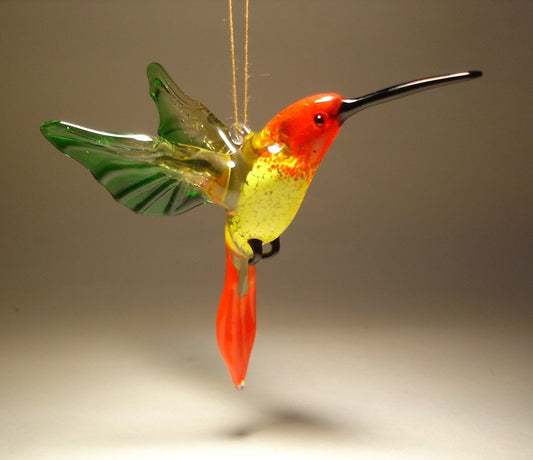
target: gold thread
246 76
233 64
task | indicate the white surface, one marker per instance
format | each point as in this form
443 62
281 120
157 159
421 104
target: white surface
133 383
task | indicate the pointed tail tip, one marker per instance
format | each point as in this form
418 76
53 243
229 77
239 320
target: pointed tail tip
240 386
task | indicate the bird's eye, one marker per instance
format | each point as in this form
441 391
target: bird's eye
320 119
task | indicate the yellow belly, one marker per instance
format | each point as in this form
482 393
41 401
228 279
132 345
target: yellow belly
267 204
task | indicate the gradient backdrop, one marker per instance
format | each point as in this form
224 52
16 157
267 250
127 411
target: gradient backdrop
396 321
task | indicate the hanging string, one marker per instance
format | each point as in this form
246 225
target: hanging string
245 110
234 63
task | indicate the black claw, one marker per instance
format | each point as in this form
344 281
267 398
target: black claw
274 249
257 247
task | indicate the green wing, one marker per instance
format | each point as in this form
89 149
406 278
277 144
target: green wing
133 168
154 175
183 119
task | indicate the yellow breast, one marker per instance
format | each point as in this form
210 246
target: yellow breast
268 201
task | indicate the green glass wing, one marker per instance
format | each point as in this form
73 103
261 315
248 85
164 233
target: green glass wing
183 119
134 168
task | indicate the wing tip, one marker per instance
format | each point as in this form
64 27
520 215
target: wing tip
153 69
45 127
52 130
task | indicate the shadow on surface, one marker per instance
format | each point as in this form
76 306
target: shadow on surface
286 420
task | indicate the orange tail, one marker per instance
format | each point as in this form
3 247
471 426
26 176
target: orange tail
236 317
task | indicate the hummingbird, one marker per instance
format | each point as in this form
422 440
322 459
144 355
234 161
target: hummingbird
258 178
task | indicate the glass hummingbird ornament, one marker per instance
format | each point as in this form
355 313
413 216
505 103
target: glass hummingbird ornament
258 178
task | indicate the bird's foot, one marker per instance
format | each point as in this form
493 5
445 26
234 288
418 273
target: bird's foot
257 248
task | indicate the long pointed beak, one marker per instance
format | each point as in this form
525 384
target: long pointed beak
351 106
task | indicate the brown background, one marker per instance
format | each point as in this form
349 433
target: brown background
396 321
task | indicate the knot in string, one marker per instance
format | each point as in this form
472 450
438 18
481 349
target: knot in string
238 133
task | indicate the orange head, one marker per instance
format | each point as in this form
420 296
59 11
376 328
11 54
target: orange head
307 127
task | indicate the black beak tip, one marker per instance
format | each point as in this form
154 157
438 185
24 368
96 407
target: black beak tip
475 73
